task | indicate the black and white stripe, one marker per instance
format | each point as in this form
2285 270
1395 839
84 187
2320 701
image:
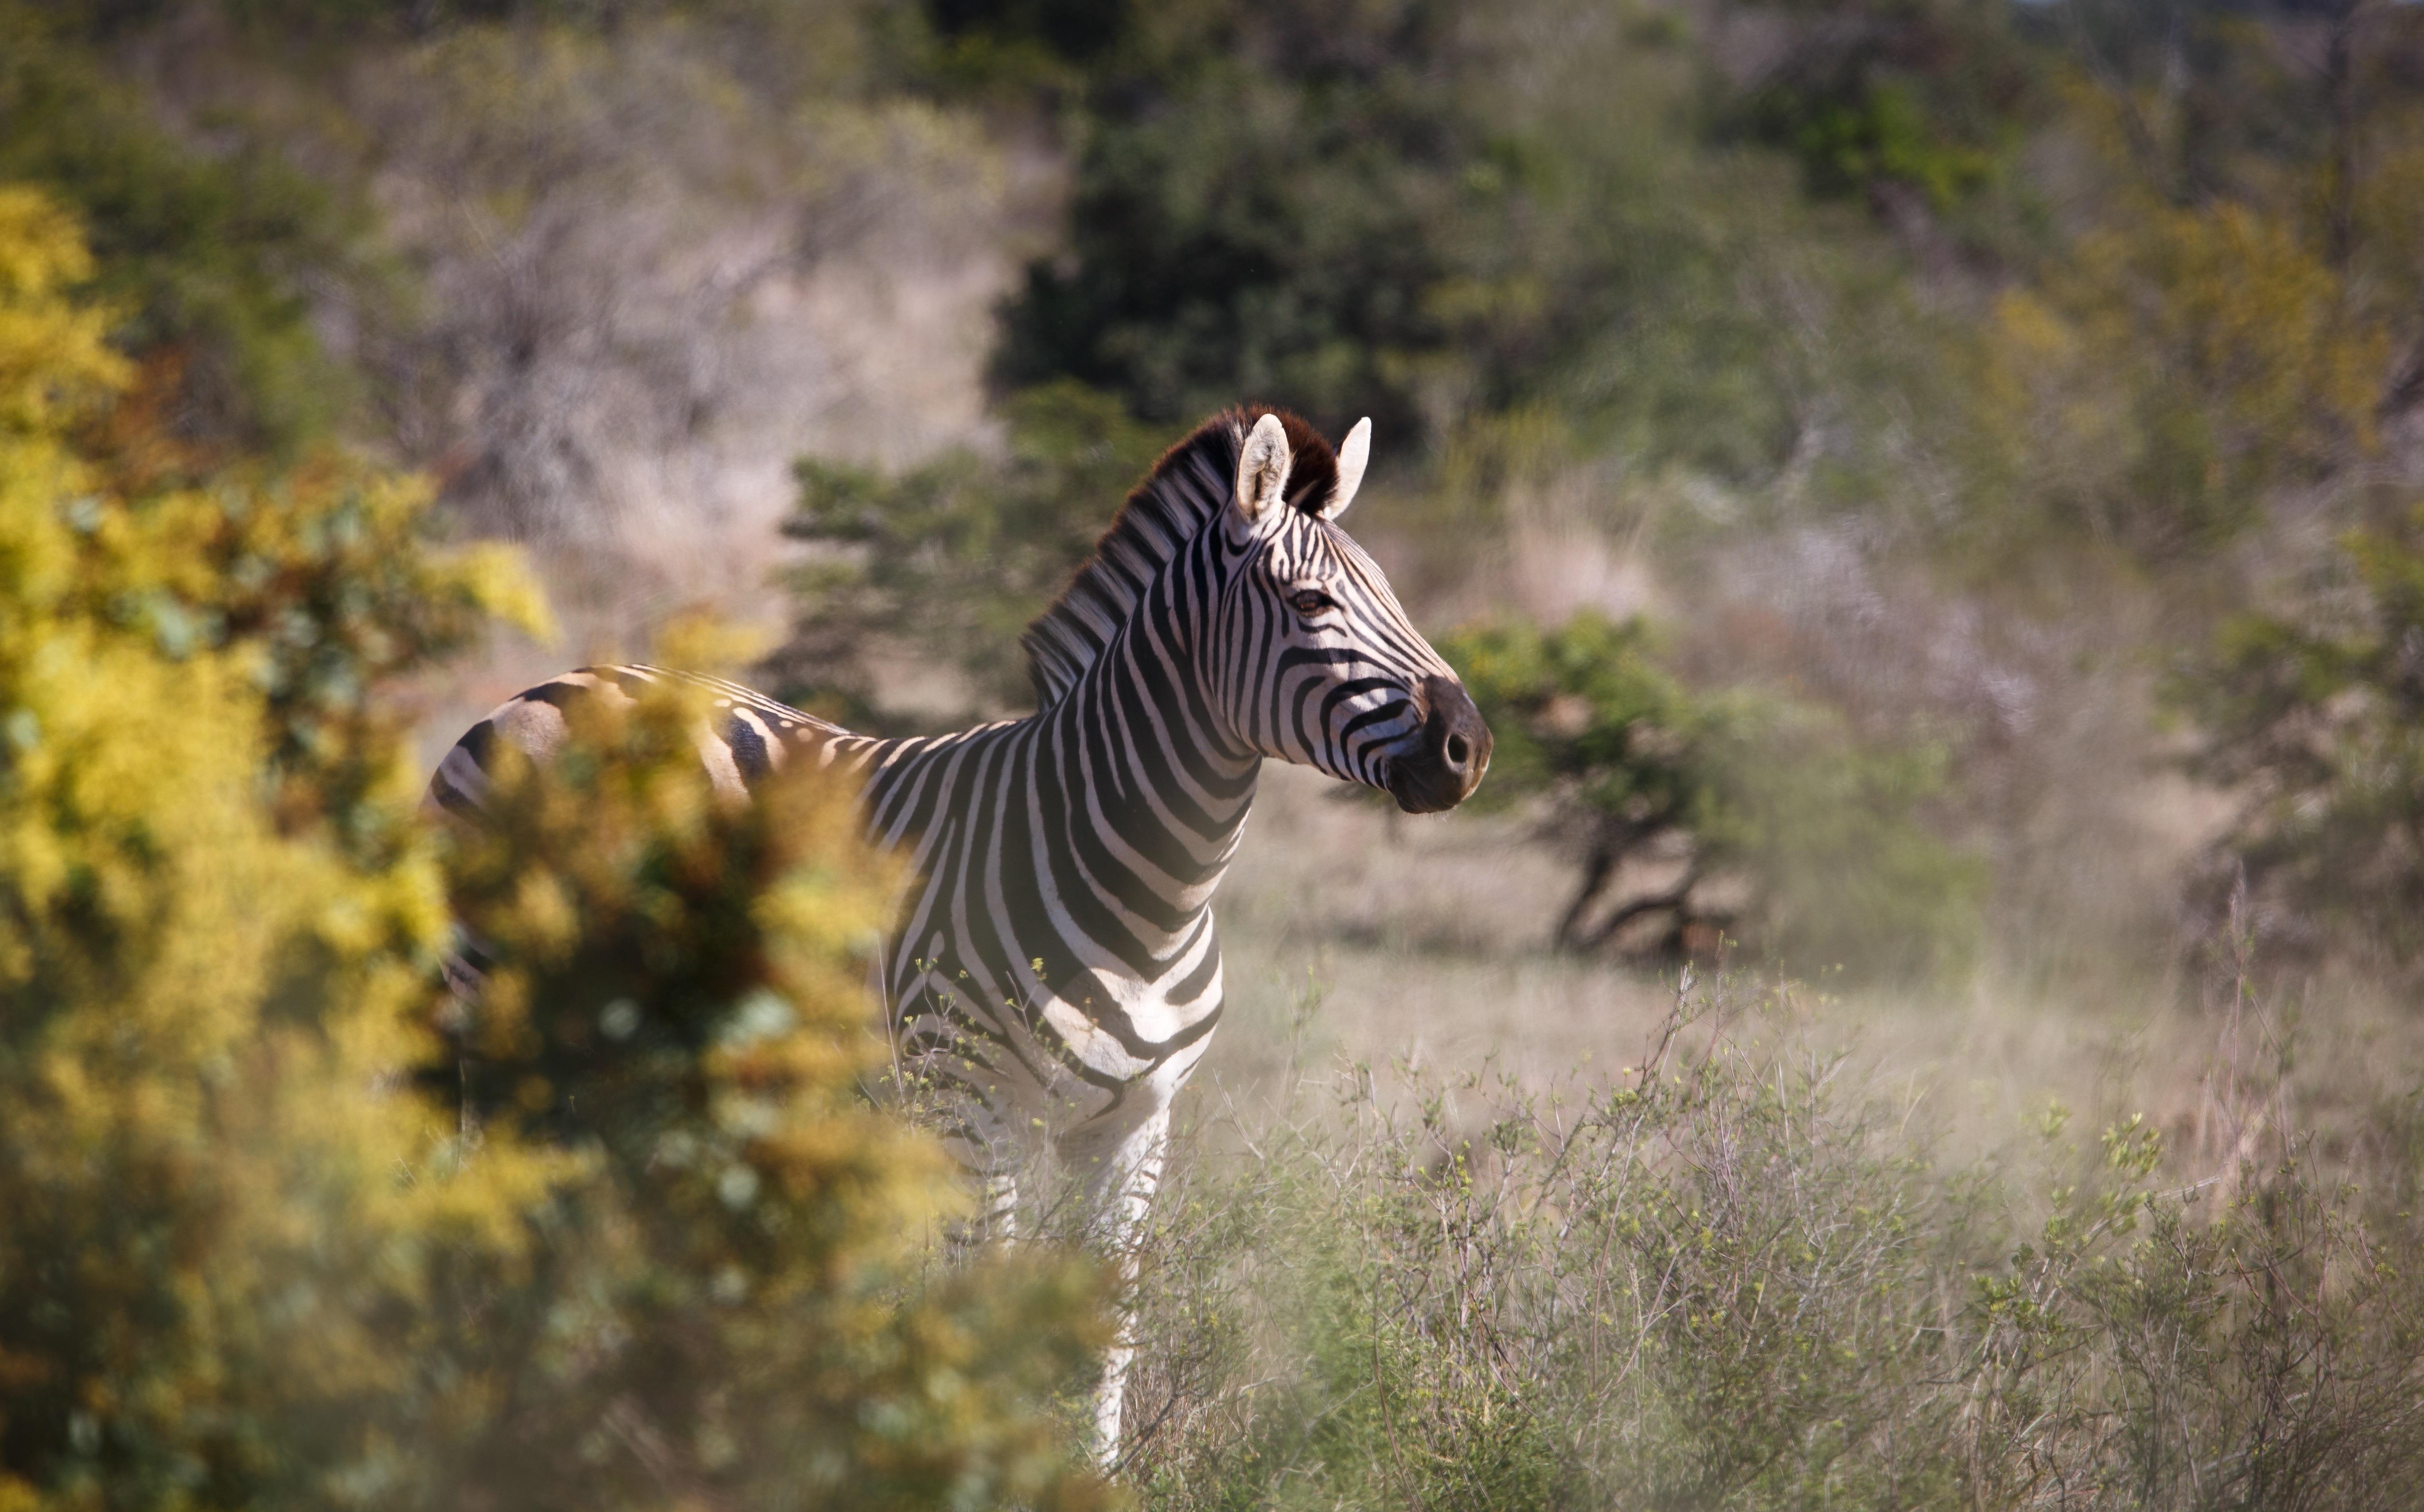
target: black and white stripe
1054 963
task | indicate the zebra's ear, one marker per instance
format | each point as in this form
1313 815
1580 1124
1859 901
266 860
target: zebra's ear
1354 454
1263 469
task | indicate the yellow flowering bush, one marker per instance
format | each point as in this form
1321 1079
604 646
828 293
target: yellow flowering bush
248 1259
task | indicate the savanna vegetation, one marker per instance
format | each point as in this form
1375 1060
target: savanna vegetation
1926 492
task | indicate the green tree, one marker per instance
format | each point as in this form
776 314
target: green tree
2316 720
1881 98
1584 713
1750 812
1296 206
952 558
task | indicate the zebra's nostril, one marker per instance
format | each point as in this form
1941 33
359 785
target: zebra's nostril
1458 750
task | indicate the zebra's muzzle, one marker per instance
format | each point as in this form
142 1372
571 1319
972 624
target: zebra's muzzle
1451 753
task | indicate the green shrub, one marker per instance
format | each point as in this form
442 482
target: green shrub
2317 721
1815 843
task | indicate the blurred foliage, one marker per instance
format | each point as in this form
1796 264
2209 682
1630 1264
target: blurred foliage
616 232
1733 1278
246 1264
1927 95
1296 206
318 574
738 1291
311 24
2177 371
202 258
952 558
209 1253
309 586
2316 720
1399 211
2234 100
2204 328
1818 848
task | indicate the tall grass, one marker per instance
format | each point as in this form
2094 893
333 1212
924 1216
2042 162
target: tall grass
1738 1275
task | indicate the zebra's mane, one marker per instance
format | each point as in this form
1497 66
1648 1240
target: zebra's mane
1187 489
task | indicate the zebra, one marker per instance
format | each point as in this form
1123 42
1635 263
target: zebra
1054 963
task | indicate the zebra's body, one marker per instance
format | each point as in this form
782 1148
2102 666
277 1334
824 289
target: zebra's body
1054 963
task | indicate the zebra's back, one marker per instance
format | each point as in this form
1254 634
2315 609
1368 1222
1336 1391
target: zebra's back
748 735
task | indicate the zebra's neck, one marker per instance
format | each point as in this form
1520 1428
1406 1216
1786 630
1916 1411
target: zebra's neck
1118 807
1154 761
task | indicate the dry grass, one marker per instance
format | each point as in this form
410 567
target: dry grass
1428 942
1749 1270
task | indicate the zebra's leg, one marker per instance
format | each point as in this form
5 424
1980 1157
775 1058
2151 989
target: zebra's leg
1120 1165
466 965
972 1095
998 1205
991 1157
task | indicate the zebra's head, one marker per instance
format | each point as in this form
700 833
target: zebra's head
1313 658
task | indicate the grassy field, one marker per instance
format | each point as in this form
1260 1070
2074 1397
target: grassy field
1462 1222
1427 943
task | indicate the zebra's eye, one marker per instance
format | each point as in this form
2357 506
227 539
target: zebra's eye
1309 601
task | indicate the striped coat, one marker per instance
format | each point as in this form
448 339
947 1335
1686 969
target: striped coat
1055 963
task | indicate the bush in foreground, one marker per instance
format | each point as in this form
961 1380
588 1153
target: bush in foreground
734 1296
671 1259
